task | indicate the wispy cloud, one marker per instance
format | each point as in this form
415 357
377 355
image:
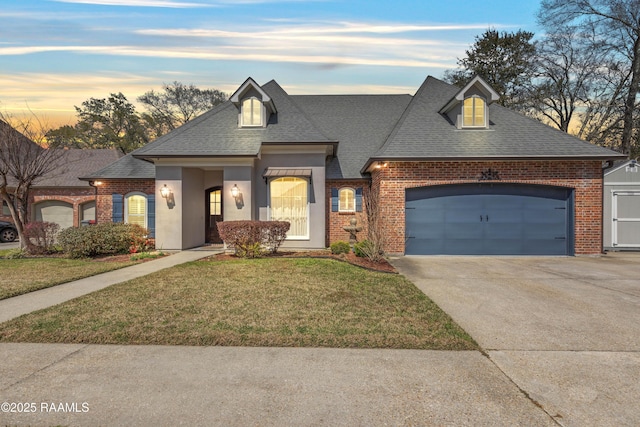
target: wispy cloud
139 3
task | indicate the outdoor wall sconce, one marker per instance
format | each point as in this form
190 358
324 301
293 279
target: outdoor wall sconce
165 192
237 195
235 191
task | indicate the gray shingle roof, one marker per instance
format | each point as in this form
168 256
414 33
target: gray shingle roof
366 127
216 133
75 163
361 124
127 167
423 133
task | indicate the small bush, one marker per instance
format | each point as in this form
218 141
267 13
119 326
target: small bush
363 248
41 236
15 254
250 239
340 247
103 239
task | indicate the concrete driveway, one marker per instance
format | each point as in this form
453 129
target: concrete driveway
565 330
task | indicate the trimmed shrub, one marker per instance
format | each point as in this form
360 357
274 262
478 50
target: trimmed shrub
340 247
250 239
41 236
103 239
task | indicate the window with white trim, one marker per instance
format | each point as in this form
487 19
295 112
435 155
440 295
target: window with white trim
135 209
347 200
289 201
5 209
251 112
474 112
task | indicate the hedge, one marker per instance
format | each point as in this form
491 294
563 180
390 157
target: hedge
251 239
103 239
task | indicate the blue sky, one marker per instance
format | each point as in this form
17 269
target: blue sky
54 54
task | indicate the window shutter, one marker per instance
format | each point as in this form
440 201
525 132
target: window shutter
358 199
334 200
117 208
151 215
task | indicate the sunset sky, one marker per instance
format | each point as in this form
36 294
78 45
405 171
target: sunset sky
54 54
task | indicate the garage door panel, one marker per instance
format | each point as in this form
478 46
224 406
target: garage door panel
55 211
628 206
628 233
488 219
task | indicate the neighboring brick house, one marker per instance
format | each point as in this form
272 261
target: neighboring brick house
454 172
61 197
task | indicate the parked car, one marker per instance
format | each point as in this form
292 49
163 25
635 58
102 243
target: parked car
8 232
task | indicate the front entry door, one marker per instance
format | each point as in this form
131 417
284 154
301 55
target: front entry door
213 205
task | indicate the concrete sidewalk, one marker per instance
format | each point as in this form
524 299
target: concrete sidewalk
242 386
17 306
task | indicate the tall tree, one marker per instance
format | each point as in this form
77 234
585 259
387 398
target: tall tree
110 123
617 22
569 67
504 60
23 160
177 104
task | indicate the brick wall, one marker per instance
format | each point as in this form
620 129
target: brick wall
76 197
583 176
335 221
119 186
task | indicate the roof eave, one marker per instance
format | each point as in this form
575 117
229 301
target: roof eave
367 167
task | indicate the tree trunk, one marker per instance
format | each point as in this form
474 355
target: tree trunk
630 102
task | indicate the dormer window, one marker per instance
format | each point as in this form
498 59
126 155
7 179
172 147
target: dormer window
251 112
469 108
255 106
474 112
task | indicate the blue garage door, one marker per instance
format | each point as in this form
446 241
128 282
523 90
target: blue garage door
489 219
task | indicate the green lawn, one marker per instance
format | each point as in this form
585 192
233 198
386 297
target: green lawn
19 276
299 302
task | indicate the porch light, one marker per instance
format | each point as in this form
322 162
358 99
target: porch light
235 191
165 192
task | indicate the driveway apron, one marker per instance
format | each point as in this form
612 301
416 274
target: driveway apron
566 330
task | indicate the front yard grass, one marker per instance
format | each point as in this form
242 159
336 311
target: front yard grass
20 276
284 302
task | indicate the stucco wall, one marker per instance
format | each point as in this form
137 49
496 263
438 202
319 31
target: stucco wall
317 204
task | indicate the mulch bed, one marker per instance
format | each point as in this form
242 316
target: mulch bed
382 266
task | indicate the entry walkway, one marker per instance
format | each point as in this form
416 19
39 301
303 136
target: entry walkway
11 308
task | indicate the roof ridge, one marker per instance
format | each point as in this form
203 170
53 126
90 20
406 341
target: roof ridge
401 121
299 108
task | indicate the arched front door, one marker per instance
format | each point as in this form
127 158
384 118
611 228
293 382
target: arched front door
213 215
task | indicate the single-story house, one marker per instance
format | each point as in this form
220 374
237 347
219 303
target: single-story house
61 197
622 206
454 173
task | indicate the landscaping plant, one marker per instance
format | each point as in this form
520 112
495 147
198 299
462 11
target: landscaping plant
103 239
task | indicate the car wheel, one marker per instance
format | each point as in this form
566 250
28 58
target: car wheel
8 235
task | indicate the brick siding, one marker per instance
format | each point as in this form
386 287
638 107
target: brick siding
335 221
119 186
75 196
585 177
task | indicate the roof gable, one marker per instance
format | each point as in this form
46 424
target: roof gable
425 133
251 87
477 85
